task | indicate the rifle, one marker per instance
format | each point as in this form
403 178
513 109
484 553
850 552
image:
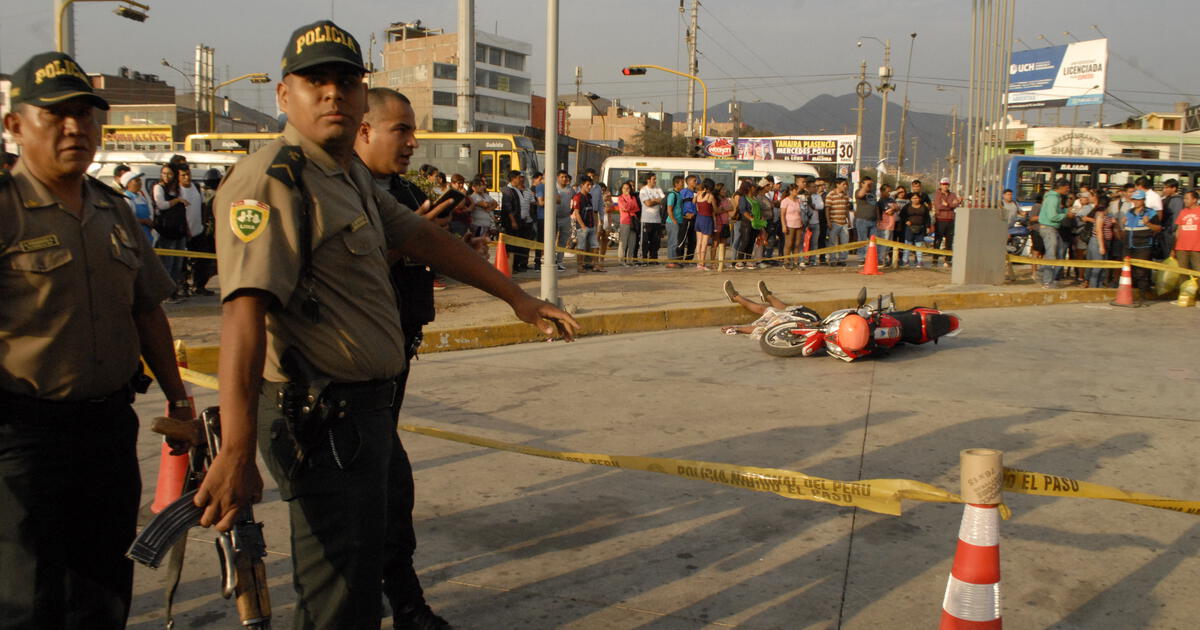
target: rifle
240 550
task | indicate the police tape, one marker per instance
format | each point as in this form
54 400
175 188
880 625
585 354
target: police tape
1041 484
1101 264
883 496
876 495
182 253
845 247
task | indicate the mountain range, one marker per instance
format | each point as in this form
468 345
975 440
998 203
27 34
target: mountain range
827 114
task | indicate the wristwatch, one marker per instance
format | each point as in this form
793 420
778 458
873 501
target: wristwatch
180 404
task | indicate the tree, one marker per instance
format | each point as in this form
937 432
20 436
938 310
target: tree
658 143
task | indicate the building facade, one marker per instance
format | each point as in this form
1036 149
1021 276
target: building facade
422 63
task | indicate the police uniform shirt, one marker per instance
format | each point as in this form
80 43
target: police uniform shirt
70 288
358 337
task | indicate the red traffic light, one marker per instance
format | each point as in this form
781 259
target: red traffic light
632 71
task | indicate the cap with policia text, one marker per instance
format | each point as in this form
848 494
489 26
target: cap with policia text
318 43
50 78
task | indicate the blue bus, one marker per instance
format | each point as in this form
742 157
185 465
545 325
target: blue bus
1031 175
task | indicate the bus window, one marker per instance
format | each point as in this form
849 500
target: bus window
1077 179
1032 181
1158 177
1116 177
720 177
505 164
617 176
487 166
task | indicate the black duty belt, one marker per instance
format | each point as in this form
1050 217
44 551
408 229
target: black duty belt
350 398
19 405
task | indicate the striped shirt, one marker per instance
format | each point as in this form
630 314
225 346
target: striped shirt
837 207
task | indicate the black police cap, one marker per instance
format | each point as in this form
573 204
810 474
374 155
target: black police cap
52 77
318 43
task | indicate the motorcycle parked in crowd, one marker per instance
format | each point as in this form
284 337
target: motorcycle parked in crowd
853 333
1019 237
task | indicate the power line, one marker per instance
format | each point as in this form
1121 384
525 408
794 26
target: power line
752 52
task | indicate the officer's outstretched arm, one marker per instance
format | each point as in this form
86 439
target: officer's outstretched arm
233 480
448 254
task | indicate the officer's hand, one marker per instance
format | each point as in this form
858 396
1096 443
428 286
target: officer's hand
546 317
232 482
477 243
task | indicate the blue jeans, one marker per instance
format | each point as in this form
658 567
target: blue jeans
1095 277
913 237
673 231
838 235
865 229
1053 243
883 249
562 232
174 264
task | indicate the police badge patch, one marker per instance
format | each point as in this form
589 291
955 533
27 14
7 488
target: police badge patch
248 218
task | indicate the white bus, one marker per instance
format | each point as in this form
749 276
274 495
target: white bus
635 169
149 163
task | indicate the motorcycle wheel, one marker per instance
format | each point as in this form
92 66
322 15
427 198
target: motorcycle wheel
780 341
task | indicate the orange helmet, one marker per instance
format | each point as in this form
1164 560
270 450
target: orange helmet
854 333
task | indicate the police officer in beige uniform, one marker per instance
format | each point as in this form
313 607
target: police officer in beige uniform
80 300
306 291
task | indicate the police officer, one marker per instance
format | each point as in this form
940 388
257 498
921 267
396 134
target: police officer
82 293
306 291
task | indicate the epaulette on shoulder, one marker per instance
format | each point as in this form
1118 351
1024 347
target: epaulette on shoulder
287 164
5 177
105 188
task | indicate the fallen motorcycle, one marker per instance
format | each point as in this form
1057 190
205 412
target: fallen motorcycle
853 333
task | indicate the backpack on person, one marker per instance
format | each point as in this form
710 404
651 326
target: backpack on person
172 222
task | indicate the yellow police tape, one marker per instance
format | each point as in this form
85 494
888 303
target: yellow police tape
883 496
184 253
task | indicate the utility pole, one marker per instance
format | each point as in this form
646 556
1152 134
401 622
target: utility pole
863 89
578 84
952 159
904 112
692 66
466 66
915 168
735 116
549 271
885 86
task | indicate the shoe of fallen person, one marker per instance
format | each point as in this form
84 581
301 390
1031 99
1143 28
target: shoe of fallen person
420 618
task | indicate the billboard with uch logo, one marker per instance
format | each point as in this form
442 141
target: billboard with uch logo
837 149
1058 76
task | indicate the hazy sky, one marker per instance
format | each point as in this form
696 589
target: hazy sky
782 51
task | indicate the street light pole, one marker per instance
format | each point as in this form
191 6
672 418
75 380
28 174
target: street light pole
195 115
60 9
885 86
255 77
904 112
549 269
863 89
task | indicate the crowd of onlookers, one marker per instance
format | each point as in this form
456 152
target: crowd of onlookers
1133 220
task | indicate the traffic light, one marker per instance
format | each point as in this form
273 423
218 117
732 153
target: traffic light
698 148
629 72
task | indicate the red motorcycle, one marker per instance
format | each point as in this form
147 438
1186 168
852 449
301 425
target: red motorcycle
853 333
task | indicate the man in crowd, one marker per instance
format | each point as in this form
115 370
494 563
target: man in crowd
1142 223
562 215
82 294
652 198
587 223
539 221
837 216
514 208
917 188
673 207
688 244
1049 218
309 310
1154 201
866 213
1172 203
945 203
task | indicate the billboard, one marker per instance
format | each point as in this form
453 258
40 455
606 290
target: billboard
1058 76
135 137
811 149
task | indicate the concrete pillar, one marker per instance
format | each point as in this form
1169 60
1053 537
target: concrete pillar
979 238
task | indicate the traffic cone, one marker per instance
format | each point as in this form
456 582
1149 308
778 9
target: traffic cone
1125 287
502 258
972 600
871 266
172 469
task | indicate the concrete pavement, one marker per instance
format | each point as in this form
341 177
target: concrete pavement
510 541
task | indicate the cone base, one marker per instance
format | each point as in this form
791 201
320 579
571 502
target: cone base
950 622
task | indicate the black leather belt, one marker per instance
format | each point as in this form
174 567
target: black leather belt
349 398
19 404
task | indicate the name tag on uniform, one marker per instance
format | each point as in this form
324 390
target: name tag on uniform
41 242
359 223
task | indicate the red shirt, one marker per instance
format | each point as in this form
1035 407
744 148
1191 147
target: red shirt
1187 230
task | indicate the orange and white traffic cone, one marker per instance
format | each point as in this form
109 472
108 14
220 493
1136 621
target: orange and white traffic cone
172 469
502 258
972 600
1125 287
871 266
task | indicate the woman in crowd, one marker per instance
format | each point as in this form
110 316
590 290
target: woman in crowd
706 203
460 219
628 206
722 215
885 226
793 225
135 195
1103 228
745 203
915 219
167 198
